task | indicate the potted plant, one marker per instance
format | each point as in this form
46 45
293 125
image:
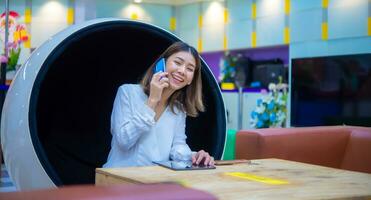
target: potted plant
271 108
17 34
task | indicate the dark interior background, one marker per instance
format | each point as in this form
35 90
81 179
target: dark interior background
338 86
73 95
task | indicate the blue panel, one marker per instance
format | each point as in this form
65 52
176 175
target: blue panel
350 46
269 7
347 19
151 13
158 14
269 30
212 37
213 13
306 25
308 49
188 16
110 8
300 5
239 10
41 10
189 36
331 47
239 34
47 21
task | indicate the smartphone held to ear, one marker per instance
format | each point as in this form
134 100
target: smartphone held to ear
160 66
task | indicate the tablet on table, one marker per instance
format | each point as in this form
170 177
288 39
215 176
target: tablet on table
182 165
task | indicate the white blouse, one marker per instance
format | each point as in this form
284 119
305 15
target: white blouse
137 139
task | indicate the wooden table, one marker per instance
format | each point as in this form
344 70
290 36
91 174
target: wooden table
261 179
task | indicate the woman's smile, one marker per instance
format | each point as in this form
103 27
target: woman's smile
177 78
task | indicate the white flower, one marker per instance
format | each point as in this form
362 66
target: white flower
260 109
272 86
253 122
282 86
221 76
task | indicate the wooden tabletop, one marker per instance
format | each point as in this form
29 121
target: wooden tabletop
259 179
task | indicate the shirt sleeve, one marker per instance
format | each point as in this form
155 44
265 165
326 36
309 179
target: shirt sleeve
180 150
130 119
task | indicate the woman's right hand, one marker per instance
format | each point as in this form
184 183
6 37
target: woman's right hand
158 83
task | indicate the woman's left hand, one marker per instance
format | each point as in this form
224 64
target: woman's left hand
202 158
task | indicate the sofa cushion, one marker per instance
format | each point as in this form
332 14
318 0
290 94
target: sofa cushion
323 146
344 147
316 145
358 153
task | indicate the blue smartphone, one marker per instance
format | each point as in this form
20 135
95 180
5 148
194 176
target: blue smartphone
160 66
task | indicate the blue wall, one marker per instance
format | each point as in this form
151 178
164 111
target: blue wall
347 26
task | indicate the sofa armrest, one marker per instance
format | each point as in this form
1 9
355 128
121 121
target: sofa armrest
358 153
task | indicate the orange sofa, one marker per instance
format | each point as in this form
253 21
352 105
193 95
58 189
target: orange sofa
163 191
343 147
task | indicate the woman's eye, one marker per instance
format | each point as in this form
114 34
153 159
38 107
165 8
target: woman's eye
190 69
177 62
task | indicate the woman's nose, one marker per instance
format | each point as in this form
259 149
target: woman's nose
181 69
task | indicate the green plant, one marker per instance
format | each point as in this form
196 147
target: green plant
13 58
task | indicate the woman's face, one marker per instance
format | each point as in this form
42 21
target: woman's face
181 67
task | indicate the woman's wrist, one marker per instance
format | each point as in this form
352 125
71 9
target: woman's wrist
152 103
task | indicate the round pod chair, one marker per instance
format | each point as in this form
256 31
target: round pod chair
55 127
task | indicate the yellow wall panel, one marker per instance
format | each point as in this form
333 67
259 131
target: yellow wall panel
324 31
369 26
70 16
286 35
199 45
27 16
325 3
226 16
253 39
172 23
253 11
225 42
200 21
287 7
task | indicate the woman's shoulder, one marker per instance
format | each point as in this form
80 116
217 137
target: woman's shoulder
131 88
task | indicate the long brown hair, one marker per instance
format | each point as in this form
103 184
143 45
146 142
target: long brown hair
189 98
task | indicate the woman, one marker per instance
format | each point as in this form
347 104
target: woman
148 120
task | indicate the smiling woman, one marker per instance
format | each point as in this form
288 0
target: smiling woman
56 116
142 114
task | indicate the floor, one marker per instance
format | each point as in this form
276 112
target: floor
6 184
